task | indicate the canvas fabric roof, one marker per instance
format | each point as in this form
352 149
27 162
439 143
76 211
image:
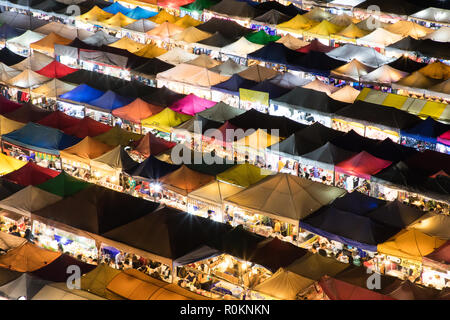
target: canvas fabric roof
191 105
165 120
439 258
409 28
406 64
315 266
20 20
59 291
400 7
63 185
152 169
318 14
58 120
48 43
119 20
405 290
384 75
30 174
165 30
100 38
353 70
433 225
358 203
352 32
326 156
152 145
7 73
152 68
141 25
297 24
290 10
164 16
228 68
346 94
109 101
298 197
325 28
7 105
291 42
198 5
177 56
362 165
243 175
96 210
220 112
340 290
27 113
9 164
315 45
118 136
26 39
241 47
185 180
436 70
187 21
85 150
27 258
284 285
193 75
289 81
258 73
410 244
396 214
257 140
234 84
27 79
53 88
8 125
87 127
10 58
64 30
25 285
427 130
261 37
116 159
234 8
150 51
35 62
273 17
7 242
95 15
365 55
96 281
318 85
140 13
381 37
7 32
230 29
214 192
416 82
440 35
216 41
127 44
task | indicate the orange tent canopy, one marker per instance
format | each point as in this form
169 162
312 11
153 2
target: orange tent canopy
137 110
185 180
85 150
47 44
27 258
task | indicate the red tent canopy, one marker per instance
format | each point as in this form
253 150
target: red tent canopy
27 113
315 45
340 290
8 105
59 120
173 3
56 70
362 165
439 256
87 127
31 174
152 145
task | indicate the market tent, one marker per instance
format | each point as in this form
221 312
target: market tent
291 42
10 58
7 105
30 174
409 29
242 175
405 290
257 140
233 8
185 180
7 31
27 113
165 30
58 120
353 71
28 200
433 224
8 125
205 61
317 63
258 73
228 68
323 29
410 244
275 253
272 17
276 53
100 38
25 39
53 88
326 156
198 6
440 35
64 30
96 281
126 43
349 228
35 62
165 120
238 242
7 73
340 290
400 7
192 75
346 94
439 258
56 70
167 232
284 285
152 169
140 13
429 162
196 125
289 81
290 10
111 161
365 55
56 271
220 112
118 136
214 192
59 291
444 138
395 214
436 70
318 85
109 101
150 51
27 79
297 24
427 130
215 42
119 20
406 64
191 105
9 164
261 37
95 15
96 210
240 47
82 93
362 165
315 45
117 7
22 21
187 22
318 14
441 89
285 196
63 185
176 56
416 81
162 97
8 242
358 203
27 258
25 285
163 16
152 145
141 25
85 150
40 138
47 44
352 31
384 75
233 84
230 29
314 266
151 68
380 37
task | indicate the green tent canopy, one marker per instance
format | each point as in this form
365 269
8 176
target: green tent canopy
261 37
198 5
63 185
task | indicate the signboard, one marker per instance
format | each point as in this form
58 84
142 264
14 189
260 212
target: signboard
251 99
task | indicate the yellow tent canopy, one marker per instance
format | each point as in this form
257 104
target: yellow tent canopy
409 28
9 125
9 164
47 44
165 120
324 28
352 32
415 80
127 44
96 281
117 136
242 175
187 21
297 24
436 70
191 35
165 30
119 20
163 16
85 150
410 244
292 42
94 15
27 258
346 94
258 140
150 51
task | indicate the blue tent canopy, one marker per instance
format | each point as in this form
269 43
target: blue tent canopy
110 101
358 203
116 7
140 13
396 214
348 228
40 138
7 32
427 130
271 88
82 93
233 84
152 168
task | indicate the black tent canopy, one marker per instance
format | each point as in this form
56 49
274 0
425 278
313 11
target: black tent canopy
229 29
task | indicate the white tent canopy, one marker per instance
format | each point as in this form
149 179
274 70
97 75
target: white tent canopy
289 80
7 73
24 286
368 56
25 39
346 94
64 31
228 68
384 75
9 241
215 192
34 62
53 88
142 25
441 35
379 37
434 225
27 79
177 56
353 70
433 14
241 48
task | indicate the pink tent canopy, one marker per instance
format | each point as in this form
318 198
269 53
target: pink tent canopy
444 138
191 105
340 290
362 165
